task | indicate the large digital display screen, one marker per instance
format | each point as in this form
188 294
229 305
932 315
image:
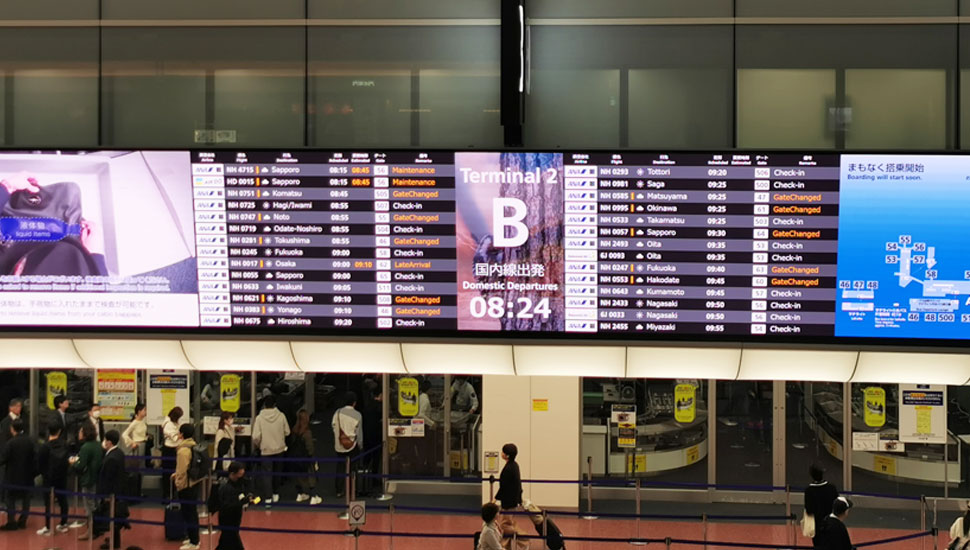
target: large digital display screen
731 246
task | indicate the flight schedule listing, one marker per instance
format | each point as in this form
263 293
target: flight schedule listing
356 240
722 244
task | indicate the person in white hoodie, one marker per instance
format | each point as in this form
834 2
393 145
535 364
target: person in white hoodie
347 435
269 435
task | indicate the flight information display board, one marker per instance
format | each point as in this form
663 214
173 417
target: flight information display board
763 246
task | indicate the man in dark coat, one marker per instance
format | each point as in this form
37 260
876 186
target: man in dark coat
233 499
835 536
111 481
52 461
18 458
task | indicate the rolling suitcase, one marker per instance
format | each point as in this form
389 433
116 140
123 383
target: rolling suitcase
174 523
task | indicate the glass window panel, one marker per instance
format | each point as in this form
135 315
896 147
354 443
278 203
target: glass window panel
573 108
50 93
630 8
896 108
785 108
909 472
630 85
671 440
464 447
167 87
958 424
412 9
460 108
361 109
215 9
814 431
402 86
680 108
49 9
744 433
411 454
857 8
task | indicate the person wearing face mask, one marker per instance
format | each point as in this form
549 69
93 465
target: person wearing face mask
225 442
94 419
111 483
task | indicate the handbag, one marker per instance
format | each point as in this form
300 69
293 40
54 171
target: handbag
808 525
344 439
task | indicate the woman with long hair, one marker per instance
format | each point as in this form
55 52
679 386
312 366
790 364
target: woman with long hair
225 442
301 446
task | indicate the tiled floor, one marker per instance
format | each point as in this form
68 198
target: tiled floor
151 537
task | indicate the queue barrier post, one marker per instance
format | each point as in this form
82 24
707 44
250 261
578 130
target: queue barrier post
390 511
704 529
76 523
638 542
589 489
49 511
356 537
922 520
112 525
491 487
792 537
667 542
545 527
208 516
347 489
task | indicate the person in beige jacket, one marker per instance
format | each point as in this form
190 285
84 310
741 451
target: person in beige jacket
188 490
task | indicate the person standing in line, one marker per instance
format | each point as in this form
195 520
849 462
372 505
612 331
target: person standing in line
960 531
94 418
18 459
463 395
225 445
835 535
134 441
188 489
269 434
170 443
52 461
423 447
491 536
13 413
61 404
347 426
234 498
302 447
819 496
111 482
87 466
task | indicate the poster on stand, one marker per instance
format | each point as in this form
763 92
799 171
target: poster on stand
922 413
875 407
56 385
166 389
117 392
625 418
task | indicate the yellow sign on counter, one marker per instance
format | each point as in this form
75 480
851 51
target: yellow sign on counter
229 393
875 407
540 405
685 403
693 454
884 464
56 385
407 397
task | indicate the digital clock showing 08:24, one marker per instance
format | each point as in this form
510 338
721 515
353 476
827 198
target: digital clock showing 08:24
519 308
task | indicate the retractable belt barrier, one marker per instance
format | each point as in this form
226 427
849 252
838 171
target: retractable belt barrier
668 541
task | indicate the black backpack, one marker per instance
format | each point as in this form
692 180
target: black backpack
199 465
41 233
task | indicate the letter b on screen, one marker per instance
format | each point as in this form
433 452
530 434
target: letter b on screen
501 222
